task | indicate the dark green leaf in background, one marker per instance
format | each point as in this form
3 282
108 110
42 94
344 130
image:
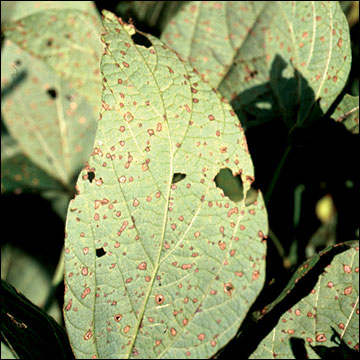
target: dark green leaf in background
31 332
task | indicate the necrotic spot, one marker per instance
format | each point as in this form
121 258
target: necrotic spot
52 93
178 177
140 39
100 252
91 176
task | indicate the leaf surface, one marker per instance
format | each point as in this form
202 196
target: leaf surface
158 261
327 317
347 112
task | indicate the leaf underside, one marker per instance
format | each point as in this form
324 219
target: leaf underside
156 267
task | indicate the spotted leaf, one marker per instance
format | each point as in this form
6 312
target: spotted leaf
288 58
328 317
211 33
158 261
347 112
67 41
53 125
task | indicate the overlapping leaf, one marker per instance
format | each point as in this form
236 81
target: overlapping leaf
347 112
326 318
291 57
158 261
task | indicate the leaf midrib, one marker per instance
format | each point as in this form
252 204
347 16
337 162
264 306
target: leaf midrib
165 218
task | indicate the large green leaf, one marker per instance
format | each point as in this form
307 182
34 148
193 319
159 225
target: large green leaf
282 57
158 261
323 320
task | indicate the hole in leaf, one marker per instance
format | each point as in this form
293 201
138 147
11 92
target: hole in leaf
91 176
178 177
140 39
233 188
100 252
52 93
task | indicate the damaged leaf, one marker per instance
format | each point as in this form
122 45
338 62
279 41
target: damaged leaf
158 261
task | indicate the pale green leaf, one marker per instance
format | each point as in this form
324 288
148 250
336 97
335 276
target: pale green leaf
68 41
52 124
158 261
347 112
327 317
